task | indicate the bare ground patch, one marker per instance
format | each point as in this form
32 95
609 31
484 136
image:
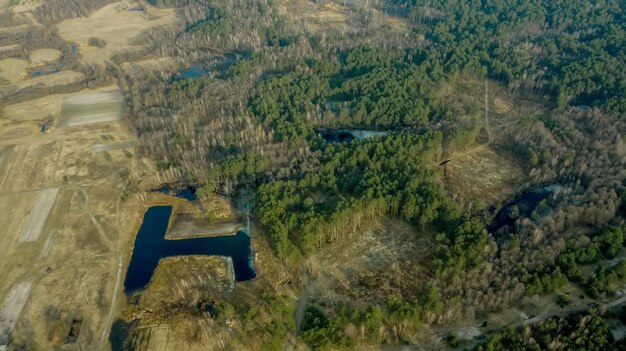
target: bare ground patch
189 226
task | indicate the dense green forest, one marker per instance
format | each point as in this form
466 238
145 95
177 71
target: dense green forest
257 119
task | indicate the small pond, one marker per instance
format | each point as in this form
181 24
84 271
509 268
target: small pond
151 246
522 206
347 135
187 192
194 71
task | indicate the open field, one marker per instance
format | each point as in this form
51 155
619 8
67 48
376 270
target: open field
389 259
44 56
49 107
91 108
336 16
11 308
35 109
117 26
13 70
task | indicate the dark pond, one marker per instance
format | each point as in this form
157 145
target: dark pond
337 136
151 246
186 192
521 206
347 135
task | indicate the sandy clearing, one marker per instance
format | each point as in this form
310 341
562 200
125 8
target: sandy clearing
13 70
116 26
187 228
38 215
91 108
44 56
11 309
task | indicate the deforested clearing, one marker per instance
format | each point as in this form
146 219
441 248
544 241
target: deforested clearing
484 175
11 309
385 260
38 215
91 108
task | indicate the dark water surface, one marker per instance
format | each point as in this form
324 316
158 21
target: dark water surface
347 135
187 192
522 206
151 246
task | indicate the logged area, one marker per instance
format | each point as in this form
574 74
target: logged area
312 175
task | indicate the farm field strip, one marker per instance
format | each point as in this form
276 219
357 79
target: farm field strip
91 108
11 308
39 214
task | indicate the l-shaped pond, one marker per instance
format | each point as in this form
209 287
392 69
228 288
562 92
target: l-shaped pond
151 246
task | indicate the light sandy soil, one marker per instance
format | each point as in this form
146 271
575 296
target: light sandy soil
13 70
44 56
38 215
11 309
188 227
116 26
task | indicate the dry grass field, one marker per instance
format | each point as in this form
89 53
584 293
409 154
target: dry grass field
117 26
61 230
